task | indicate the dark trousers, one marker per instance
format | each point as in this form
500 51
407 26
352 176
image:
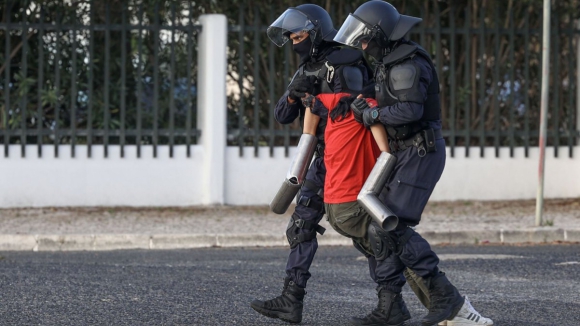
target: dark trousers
302 255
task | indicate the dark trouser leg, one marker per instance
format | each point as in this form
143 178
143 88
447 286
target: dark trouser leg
301 234
303 226
445 300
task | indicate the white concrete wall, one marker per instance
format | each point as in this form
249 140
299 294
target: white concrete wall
179 181
504 177
98 181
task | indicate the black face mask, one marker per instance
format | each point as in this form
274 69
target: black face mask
374 50
303 48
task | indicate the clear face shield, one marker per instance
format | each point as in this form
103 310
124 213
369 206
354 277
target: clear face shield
291 21
353 32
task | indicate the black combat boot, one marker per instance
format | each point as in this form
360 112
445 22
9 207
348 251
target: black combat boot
445 300
391 310
287 306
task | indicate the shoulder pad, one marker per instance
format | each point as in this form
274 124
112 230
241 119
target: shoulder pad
404 82
344 56
403 76
401 52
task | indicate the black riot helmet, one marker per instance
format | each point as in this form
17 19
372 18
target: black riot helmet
308 17
375 20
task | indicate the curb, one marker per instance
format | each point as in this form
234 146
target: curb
103 242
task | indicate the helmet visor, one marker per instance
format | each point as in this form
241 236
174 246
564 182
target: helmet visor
291 21
352 32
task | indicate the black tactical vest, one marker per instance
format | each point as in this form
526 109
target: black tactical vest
326 71
384 95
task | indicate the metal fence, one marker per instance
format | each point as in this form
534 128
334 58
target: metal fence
123 72
488 57
98 72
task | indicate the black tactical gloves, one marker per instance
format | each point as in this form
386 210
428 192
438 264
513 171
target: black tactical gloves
300 86
363 113
358 106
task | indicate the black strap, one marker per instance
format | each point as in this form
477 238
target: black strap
305 224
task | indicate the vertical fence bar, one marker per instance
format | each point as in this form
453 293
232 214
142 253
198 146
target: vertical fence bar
439 59
57 84
40 82
482 71
123 89
139 81
452 81
571 111
467 80
271 88
512 81
156 81
286 79
422 27
91 80
256 81
172 78
556 77
241 77
7 63
528 84
189 114
73 87
24 73
496 83
107 78
577 77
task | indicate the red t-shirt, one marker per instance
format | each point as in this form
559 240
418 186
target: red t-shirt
349 155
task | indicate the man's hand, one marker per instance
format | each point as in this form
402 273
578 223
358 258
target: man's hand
300 86
308 100
370 116
358 106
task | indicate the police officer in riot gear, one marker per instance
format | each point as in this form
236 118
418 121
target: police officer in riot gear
407 92
324 68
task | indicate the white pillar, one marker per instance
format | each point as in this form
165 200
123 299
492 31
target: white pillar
211 105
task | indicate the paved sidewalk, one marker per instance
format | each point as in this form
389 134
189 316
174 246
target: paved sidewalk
111 228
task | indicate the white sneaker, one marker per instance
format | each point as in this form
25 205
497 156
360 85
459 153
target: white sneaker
467 316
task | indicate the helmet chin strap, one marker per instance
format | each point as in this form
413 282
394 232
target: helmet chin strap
315 43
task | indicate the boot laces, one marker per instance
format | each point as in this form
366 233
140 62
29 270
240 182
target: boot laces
280 301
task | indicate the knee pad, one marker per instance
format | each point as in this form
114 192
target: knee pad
380 241
310 227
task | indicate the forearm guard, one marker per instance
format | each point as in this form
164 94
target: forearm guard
296 174
368 196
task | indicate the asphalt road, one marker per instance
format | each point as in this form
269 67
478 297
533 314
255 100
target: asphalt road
513 285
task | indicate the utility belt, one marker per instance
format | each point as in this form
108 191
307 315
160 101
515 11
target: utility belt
424 141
